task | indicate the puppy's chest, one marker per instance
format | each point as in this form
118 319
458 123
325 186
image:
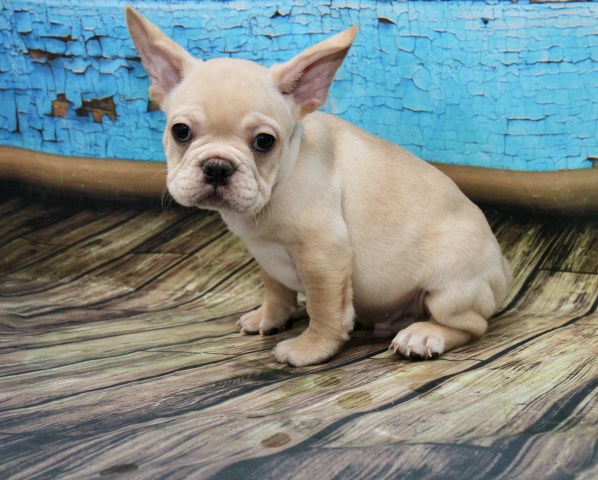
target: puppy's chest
269 252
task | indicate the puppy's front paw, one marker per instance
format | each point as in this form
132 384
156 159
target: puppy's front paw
419 341
306 349
257 322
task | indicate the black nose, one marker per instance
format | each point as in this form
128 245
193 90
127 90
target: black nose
217 172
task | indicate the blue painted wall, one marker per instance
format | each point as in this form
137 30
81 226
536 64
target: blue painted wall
495 84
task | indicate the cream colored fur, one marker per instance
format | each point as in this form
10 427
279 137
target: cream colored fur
361 226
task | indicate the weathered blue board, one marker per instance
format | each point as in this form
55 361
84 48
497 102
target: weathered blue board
494 84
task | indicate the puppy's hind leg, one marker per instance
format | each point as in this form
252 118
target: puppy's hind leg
458 314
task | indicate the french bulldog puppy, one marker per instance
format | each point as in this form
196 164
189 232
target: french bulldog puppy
359 225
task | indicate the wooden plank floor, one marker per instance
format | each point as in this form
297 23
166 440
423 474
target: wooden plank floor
119 358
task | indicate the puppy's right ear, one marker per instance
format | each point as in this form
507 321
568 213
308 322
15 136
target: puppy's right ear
165 61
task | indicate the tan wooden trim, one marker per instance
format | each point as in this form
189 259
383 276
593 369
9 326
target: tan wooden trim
82 175
559 191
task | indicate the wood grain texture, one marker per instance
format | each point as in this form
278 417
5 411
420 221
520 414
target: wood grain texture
119 358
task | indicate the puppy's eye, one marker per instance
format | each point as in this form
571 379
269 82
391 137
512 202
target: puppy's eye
263 142
181 132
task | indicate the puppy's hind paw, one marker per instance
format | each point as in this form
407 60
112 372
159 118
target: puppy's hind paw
418 342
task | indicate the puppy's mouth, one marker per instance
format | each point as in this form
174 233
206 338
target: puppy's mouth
214 197
204 196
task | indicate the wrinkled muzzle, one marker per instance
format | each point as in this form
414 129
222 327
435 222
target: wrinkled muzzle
222 179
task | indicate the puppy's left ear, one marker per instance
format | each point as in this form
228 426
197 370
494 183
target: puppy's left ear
307 77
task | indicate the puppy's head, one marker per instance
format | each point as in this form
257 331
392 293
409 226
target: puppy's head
231 124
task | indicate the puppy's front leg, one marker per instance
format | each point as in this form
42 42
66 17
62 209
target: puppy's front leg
276 309
326 275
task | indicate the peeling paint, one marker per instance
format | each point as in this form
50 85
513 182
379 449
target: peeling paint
98 107
495 84
60 106
43 56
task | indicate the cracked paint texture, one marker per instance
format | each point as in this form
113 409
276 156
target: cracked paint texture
485 83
